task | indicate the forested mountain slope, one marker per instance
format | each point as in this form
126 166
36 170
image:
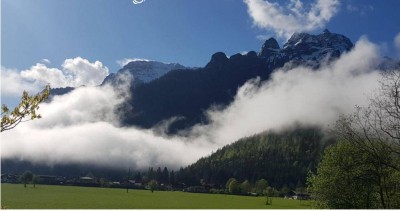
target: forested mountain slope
282 158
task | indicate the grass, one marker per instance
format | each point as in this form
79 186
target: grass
15 196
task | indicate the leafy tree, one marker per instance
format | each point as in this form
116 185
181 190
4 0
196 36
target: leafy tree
26 110
153 185
375 130
285 190
35 180
234 187
245 187
261 185
345 179
26 177
228 183
269 192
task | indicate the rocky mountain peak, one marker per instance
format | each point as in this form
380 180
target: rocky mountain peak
306 48
326 31
217 59
270 46
143 71
301 41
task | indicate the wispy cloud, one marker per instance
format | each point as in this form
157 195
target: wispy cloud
293 17
46 61
362 10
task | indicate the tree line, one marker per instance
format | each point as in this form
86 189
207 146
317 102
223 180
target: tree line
282 158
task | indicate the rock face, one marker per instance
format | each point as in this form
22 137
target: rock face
303 48
187 94
161 92
270 47
217 59
143 71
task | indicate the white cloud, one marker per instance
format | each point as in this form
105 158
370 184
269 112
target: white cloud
84 72
74 73
125 61
294 17
397 42
12 84
299 95
40 75
82 127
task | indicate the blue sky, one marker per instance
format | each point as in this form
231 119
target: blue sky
188 32
78 42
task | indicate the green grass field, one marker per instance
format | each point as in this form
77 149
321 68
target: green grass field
15 196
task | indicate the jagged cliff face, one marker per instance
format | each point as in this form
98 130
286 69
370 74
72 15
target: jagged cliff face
303 48
187 94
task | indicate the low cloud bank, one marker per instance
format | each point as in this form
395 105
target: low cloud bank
81 127
73 73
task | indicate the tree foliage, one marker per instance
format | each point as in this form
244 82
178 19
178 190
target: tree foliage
26 177
260 186
269 192
26 110
228 183
245 187
35 180
283 159
153 185
342 180
234 187
363 170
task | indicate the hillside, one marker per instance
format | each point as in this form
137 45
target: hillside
282 158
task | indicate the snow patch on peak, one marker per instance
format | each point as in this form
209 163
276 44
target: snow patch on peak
307 48
146 70
125 61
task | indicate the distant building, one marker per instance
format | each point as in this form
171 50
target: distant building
9 178
135 183
196 189
298 195
51 180
86 180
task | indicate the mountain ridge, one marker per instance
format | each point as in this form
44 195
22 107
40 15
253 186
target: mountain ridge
188 94
143 71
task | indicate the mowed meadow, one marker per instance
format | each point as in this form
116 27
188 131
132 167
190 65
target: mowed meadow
15 196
